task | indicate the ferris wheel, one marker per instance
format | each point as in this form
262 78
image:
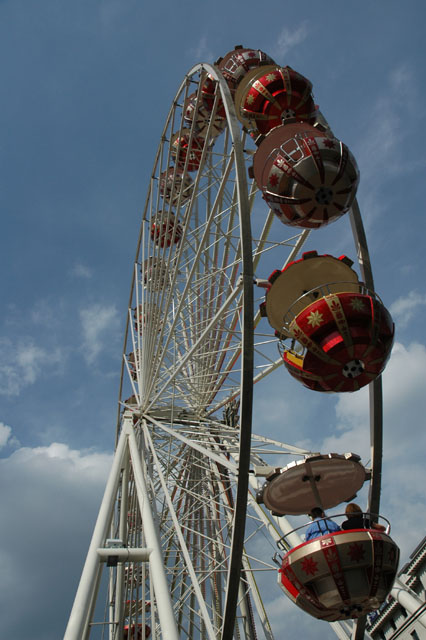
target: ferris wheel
188 525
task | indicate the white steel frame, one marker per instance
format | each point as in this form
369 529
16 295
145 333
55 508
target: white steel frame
180 498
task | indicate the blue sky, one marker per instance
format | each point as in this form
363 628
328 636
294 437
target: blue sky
85 89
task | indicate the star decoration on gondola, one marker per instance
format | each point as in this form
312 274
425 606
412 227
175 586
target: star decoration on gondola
273 180
309 566
250 99
315 319
357 304
271 77
328 143
356 552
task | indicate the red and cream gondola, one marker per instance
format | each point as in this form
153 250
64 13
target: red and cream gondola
175 187
307 177
268 96
340 575
234 66
200 115
187 149
339 334
345 574
166 229
237 63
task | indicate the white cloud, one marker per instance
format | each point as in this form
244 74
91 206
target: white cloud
74 465
404 308
52 499
31 358
382 136
382 149
80 270
403 83
297 625
5 432
98 324
23 363
202 52
6 437
388 125
288 39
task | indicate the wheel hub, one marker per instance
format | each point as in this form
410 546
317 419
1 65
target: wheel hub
353 369
288 113
324 195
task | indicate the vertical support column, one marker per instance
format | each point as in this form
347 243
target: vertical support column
78 623
375 392
158 576
375 388
119 602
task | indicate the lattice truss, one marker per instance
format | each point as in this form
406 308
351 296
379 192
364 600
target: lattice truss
191 470
185 330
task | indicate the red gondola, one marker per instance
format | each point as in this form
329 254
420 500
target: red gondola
268 96
237 63
344 574
348 339
187 151
340 575
174 187
341 334
209 90
166 229
307 178
202 119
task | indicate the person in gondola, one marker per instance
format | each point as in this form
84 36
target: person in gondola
356 519
321 525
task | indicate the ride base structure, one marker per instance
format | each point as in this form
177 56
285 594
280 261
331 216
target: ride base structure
194 517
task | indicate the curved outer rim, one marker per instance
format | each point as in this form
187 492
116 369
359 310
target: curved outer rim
246 393
375 390
246 383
